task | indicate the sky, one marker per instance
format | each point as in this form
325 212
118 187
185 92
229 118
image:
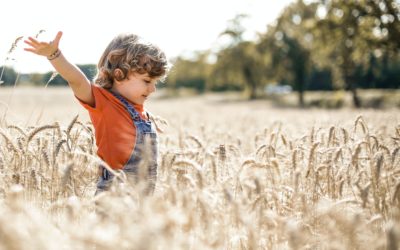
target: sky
178 27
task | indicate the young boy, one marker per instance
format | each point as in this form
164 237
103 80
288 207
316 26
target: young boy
128 71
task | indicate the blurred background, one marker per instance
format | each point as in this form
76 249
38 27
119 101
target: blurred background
326 54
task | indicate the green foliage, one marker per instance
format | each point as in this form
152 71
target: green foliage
198 83
36 79
240 62
319 79
190 73
8 76
289 44
40 79
56 81
349 30
224 74
90 70
322 45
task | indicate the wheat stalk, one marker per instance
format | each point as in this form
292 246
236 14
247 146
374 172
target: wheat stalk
36 131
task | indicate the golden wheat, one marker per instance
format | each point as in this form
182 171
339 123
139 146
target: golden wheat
222 184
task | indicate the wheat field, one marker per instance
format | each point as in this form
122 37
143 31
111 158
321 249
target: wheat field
232 175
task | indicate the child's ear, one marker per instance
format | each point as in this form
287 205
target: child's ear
118 74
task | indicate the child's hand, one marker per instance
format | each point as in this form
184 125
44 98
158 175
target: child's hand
43 48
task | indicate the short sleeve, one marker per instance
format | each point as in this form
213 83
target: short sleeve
97 100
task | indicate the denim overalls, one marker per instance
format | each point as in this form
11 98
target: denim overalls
144 154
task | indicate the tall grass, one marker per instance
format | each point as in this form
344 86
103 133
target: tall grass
281 186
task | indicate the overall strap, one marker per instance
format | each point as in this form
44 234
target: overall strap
134 114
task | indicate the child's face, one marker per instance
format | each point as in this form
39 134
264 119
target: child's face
136 88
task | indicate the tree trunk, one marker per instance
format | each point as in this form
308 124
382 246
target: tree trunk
253 94
248 76
300 80
301 98
356 99
353 89
348 73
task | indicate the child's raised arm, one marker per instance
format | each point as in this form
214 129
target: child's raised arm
72 74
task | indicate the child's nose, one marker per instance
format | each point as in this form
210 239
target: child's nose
152 88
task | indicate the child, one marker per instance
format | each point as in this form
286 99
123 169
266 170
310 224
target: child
127 75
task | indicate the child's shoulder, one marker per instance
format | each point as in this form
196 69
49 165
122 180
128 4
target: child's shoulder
97 89
102 96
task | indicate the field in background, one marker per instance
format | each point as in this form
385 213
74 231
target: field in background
36 106
233 175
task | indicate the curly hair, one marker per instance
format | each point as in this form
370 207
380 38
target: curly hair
129 53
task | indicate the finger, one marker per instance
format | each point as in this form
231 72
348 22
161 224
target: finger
33 40
29 43
57 38
30 50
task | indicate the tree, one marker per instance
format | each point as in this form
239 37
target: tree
352 27
190 73
8 76
386 20
240 63
89 70
289 42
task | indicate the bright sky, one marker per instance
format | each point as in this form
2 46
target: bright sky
177 26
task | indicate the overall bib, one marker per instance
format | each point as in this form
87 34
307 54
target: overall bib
143 159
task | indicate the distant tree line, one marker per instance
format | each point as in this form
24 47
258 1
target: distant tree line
10 76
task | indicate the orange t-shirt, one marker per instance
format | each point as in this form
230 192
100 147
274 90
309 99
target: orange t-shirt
115 131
